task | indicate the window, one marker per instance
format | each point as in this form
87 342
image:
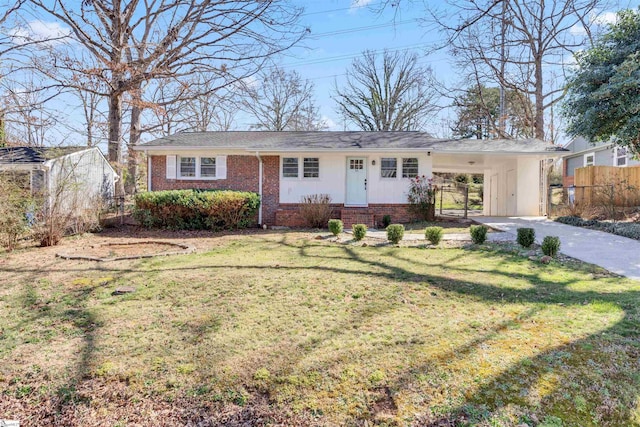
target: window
589 159
356 164
389 167
620 156
409 167
289 167
208 167
187 166
311 167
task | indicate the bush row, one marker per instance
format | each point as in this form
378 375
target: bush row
625 229
193 209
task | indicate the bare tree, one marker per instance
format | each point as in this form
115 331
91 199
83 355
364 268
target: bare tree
27 119
279 100
135 42
395 94
206 108
514 44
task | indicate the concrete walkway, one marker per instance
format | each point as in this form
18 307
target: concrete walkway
617 254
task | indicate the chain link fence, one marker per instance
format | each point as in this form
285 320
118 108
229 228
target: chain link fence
458 199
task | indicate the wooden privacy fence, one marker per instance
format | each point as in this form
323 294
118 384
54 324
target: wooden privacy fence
607 184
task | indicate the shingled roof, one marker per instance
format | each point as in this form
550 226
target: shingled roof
34 154
342 141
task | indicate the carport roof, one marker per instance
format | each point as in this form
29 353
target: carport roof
344 141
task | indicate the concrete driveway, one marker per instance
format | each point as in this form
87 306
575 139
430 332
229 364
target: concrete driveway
617 254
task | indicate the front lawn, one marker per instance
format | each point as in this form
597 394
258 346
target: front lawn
284 329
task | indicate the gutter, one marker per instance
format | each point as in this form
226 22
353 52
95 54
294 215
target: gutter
172 149
260 172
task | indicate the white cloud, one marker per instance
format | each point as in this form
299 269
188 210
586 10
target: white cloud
42 31
595 20
358 4
331 125
606 18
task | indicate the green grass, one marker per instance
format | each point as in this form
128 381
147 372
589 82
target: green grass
324 333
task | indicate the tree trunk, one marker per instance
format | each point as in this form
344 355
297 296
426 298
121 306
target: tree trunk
115 129
539 114
134 139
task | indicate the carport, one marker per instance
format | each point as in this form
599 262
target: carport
515 171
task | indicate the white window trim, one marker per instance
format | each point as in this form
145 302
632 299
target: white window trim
616 157
220 168
398 169
593 154
300 176
401 162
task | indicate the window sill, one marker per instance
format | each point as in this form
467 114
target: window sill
197 178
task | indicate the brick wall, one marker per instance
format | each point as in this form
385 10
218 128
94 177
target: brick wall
270 188
242 175
288 214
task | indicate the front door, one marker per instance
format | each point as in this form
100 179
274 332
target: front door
356 181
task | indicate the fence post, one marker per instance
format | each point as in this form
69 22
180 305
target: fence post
466 200
121 208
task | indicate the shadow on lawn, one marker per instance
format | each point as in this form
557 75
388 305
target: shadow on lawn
594 378
601 368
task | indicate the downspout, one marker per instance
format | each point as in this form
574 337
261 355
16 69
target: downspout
260 170
148 172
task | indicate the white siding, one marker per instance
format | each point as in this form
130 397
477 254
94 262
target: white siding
332 180
80 180
527 186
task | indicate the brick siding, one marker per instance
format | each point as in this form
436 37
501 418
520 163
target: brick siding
242 175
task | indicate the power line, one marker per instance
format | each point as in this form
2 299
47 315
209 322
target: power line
348 56
341 9
358 29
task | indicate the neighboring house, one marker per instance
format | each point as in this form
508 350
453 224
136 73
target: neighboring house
77 177
584 153
365 173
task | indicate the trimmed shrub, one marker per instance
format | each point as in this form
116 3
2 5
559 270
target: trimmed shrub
550 245
193 209
395 233
478 234
315 210
386 220
526 237
433 234
359 231
336 226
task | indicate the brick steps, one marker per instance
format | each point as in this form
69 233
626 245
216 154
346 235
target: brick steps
350 216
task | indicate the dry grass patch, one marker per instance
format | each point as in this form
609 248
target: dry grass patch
285 329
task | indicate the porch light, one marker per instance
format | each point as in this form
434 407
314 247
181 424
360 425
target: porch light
373 162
